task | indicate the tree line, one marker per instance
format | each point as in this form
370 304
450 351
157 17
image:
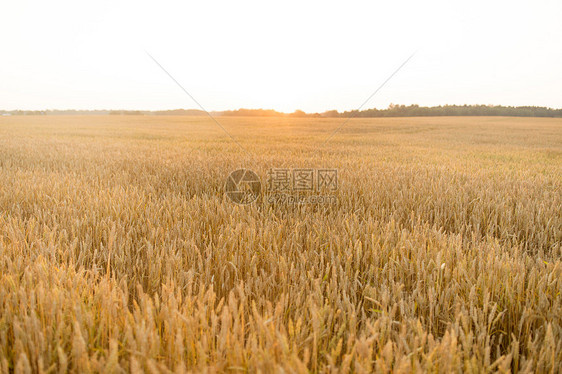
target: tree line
392 111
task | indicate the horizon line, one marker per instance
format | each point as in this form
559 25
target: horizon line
271 110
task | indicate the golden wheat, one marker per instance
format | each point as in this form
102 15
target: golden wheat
119 251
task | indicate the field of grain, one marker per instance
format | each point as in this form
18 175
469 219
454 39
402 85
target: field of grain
119 251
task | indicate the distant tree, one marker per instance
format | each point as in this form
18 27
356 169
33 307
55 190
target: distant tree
298 113
330 114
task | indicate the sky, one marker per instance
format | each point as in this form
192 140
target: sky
287 55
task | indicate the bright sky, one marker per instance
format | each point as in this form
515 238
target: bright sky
287 55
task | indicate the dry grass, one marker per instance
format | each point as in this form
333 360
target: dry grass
120 253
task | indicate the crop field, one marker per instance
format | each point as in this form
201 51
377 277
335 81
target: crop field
120 251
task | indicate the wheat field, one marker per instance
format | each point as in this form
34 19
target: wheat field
119 251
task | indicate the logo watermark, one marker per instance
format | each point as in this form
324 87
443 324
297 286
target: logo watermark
243 186
297 186
289 199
